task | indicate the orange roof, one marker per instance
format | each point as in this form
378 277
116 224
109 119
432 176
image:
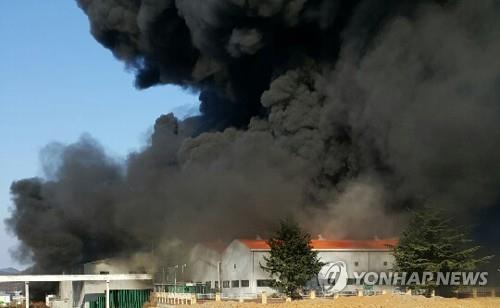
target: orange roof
353 244
255 244
329 244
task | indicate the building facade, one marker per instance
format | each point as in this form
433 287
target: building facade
5 299
81 293
240 275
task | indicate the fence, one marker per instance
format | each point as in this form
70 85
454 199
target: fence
174 298
192 298
472 292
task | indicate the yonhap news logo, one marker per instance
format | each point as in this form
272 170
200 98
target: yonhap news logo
333 278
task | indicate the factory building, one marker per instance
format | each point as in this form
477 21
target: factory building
83 293
204 263
234 269
90 290
237 269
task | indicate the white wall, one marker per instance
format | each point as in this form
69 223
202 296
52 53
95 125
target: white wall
5 299
112 266
259 273
366 260
359 261
89 290
240 263
203 264
236 266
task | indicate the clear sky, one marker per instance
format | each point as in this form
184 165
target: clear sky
56 83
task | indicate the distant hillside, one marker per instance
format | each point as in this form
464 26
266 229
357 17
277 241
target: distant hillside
9 271
10 286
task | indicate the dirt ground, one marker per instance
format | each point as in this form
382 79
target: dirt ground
379 301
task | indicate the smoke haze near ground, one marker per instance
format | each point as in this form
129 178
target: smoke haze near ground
342 114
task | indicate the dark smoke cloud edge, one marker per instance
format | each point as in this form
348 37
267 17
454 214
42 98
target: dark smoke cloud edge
340 113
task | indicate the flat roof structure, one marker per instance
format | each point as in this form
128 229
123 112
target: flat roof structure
58 278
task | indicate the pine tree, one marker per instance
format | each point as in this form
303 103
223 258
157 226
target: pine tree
291 258
432 243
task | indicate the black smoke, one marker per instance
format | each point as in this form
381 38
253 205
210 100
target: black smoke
340 113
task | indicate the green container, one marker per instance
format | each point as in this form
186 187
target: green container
122 299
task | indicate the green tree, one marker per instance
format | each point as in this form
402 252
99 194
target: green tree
291 258
433 243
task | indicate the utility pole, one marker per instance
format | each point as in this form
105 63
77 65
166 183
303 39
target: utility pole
107 293
27 293
183 277
163 279
175 279
219 269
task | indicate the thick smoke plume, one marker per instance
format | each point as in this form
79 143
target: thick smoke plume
342 114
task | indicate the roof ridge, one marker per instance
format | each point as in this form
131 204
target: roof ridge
327 244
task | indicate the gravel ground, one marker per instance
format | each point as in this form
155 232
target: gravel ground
379 301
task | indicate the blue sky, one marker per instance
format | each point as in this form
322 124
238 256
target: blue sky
56 83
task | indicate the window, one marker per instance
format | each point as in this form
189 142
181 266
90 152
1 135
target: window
104 273
245 283
265 282
356 263
208 284
216 284
234 266
351 281
385 263
235 284
225 284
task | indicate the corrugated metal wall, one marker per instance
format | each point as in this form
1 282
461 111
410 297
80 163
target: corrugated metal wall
123 299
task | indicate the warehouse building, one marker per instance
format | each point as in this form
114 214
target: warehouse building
91 290
84 293
237 269
205 264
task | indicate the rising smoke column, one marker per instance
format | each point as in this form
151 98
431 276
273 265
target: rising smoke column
340 113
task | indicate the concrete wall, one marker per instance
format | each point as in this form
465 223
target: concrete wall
259 273
236 266
83 292
113 266
360 261
4 298
239 263
203 264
